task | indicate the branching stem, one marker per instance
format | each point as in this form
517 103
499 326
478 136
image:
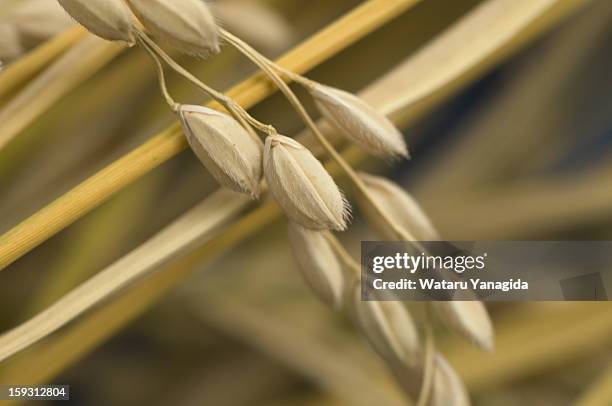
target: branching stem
265 65
233 107
161 76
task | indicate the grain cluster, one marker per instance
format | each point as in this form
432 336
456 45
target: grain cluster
229 146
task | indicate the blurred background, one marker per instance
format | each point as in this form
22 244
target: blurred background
517 149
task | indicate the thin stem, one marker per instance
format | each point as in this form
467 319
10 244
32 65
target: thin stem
263 64
26 67
430 350
302 80
98 188
225 101
346 258
160 75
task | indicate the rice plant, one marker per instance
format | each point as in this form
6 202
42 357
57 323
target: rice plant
165 164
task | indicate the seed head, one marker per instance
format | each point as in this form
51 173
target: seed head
359 122
401 207
469 319
108 19
231 155
318 264
301 185
388 326
187 25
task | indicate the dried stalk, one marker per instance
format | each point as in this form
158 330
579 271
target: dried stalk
89 194
77 64
174 239
105 183
305 352
115 277
86 196
487 50
48 152
24 68
97 237
169 242
531 204
52 357
486 150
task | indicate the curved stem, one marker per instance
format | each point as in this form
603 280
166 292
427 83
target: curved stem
264 65
222 99
430 350
346 258
160 75
302 80
174 105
